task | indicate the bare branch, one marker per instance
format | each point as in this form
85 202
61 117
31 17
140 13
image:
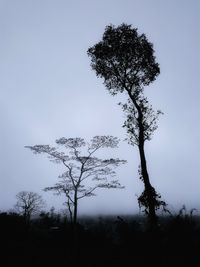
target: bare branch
81 168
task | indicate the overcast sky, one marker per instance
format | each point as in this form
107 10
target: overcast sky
48 90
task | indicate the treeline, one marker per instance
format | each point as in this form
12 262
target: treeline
100 241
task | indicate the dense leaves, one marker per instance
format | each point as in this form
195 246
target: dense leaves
124 59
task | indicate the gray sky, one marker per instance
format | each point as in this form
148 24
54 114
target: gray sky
48 90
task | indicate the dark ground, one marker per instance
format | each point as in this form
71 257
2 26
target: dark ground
105 241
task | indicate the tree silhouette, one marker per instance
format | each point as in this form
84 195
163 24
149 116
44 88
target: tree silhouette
126 62
28 203
84 173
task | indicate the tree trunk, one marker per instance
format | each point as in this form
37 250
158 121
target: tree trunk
75 209
148 189
75 248
70 210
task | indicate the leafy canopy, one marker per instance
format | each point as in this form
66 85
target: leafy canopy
125 59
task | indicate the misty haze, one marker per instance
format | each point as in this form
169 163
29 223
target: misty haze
99 132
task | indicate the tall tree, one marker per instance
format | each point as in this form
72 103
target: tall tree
125 60
84 171
28 203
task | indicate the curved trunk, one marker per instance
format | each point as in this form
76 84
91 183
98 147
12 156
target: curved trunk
148 189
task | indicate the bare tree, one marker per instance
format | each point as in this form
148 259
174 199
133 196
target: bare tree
28 203
84 172
126 62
